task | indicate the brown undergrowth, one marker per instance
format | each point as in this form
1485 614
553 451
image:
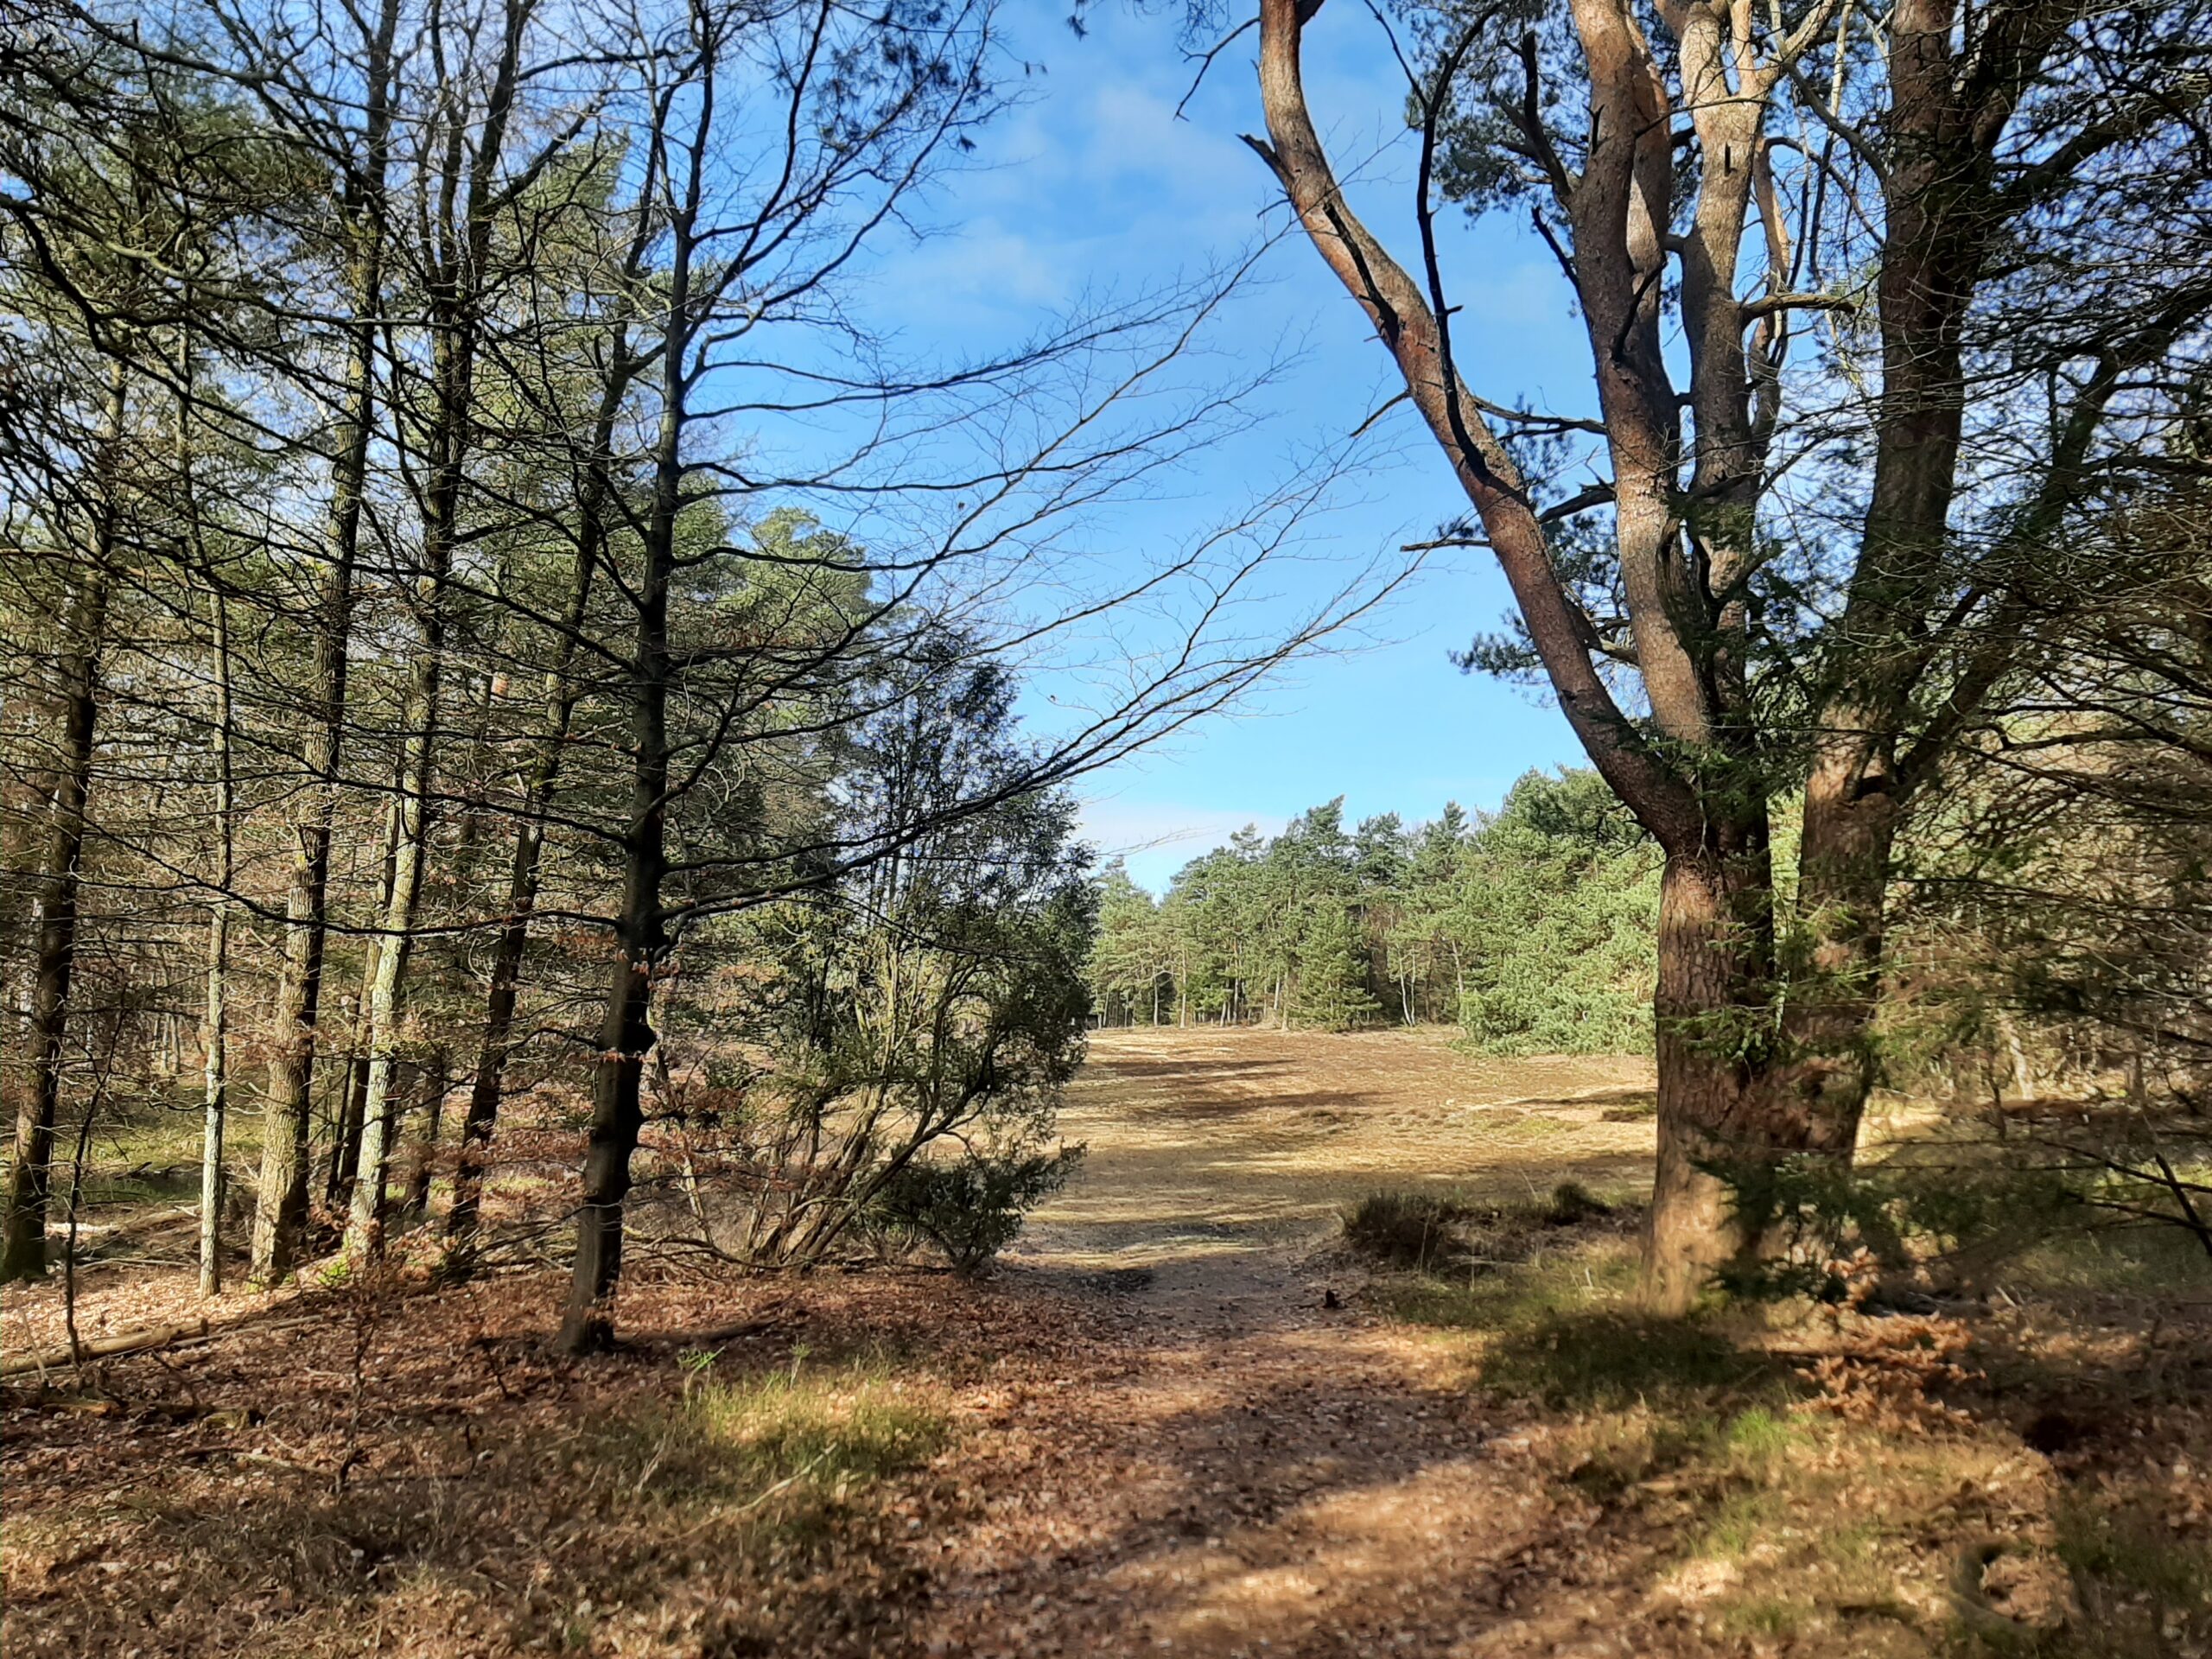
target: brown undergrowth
1151 1432
2020 1476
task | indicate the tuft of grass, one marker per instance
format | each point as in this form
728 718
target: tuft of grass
1774 1617
1759 1435
1424 1233
793 1446
1571 1204
1405 1229
2131 1554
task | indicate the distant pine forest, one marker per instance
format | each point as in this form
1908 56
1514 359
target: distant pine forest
1533 928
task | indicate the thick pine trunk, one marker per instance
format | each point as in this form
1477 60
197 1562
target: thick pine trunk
625 1036
1850 830
1716 1105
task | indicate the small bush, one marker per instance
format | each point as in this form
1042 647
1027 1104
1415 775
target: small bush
1405 1229
972 1208
1424 1233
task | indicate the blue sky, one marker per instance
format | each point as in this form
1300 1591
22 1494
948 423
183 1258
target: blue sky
1091 185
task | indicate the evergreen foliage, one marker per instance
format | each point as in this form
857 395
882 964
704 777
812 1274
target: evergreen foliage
1533 927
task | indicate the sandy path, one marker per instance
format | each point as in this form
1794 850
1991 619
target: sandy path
1228 1466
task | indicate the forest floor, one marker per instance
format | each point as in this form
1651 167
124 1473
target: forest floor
1181 1419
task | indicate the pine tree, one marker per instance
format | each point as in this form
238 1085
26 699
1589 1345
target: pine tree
1332 994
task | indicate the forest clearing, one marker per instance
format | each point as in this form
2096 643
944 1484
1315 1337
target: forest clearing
1148 1431
1223 827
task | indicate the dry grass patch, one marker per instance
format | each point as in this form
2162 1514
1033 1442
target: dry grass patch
1768 1522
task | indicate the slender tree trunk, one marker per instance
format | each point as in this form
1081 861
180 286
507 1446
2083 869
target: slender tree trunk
410 846
23 1235
282 1207
525 874
438 1079
346 1124
626 1030
625 1033
353 1092
456 274
215 1037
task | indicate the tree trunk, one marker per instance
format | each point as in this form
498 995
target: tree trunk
214 1038
410 846
625 1029
523 876
283 1198
437 1080
354 1092
458 260
625 1037
346 1125
22 1237
1715 1081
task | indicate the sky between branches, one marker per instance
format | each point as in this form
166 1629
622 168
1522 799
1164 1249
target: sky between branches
1090 186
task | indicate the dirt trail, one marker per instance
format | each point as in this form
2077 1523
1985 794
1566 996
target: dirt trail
1230 1466
1163 1440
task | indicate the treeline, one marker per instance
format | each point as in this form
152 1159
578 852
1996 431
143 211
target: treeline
1533 928
466 561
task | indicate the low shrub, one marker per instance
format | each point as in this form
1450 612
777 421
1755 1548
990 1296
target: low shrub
972 1207
1423 1232
1405 1229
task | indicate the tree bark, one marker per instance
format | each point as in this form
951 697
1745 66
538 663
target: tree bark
625 1029
437 1075
22 1236
386 989
561 693
1716 1107
282 1203
1715 949
457 256
215 1037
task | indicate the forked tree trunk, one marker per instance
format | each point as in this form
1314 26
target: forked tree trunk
457 255
523 876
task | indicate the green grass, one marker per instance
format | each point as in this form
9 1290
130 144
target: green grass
2153 1261
1774 1617
790 1448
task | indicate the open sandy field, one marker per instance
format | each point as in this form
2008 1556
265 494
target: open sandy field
1211 1141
